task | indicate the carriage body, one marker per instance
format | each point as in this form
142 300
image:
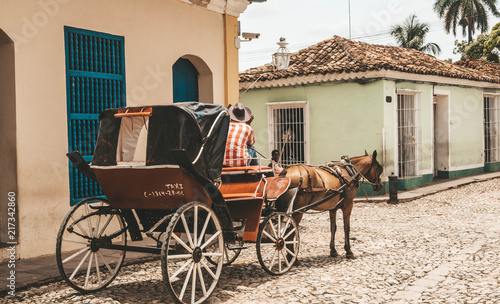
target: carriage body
160 168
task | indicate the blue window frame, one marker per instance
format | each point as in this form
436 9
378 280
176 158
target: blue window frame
95 80
185 81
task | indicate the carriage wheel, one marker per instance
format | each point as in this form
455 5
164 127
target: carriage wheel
82 261
187 272
229 255
278 243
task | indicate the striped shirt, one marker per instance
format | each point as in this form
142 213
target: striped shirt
240 135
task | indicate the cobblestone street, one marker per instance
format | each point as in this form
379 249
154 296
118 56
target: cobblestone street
442 248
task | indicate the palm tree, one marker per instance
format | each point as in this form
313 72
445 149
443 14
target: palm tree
469 14
411 35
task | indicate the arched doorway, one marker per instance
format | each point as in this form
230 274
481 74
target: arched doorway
185 81
8 161
192 80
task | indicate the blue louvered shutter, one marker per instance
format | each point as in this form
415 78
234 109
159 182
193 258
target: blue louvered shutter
95 75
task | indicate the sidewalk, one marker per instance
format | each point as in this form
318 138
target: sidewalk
43 270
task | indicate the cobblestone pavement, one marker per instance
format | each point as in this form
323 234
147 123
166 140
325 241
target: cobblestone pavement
443 248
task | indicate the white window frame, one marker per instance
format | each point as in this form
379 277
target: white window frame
417 131
271 124
492 157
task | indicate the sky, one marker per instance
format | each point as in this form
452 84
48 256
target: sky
306 22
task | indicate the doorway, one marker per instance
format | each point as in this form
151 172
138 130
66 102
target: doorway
441 113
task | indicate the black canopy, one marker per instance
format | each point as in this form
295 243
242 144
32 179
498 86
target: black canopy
187 126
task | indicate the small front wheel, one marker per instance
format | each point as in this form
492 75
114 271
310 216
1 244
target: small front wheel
278 243
190 272
82 257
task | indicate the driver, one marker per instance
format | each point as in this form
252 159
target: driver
239 137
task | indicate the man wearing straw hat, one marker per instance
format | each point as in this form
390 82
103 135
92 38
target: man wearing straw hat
240 136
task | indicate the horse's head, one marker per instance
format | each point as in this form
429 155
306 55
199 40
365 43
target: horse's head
370 169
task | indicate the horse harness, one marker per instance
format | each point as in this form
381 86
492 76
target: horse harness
334 169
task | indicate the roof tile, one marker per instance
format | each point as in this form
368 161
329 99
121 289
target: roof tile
340 55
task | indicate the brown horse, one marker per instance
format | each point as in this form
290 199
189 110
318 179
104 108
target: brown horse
312 184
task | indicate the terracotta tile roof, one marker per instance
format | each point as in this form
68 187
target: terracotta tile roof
340 55
480 65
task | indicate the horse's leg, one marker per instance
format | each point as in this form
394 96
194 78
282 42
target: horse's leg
333 229
346 213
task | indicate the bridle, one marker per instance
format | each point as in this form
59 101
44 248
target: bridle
377 185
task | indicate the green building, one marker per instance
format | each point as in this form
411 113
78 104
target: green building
425 117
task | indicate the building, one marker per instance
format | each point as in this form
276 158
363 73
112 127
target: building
63 61
426 117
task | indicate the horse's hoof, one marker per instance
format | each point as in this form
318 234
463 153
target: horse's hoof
334 254
350 256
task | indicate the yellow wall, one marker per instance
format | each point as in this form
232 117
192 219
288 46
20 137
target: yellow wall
156 35
231 67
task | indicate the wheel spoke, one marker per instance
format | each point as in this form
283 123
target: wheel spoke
269 236
97 270
105 225
89 222
289 233
75 254
285 259
286 226
273 230
180 270
193 283
269 252
202 234
210 240
216 254
290 252
279 225
279 260
186 228
79 265
202 281
75 241
179 256
80 226
195 227
88 270
178 239
208 269
272 260
105 262
186 281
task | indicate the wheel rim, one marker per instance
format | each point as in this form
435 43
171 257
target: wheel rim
189 275
81 260
278 243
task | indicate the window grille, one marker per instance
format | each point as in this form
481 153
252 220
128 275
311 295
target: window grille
95 76
491 128
408 113
289 131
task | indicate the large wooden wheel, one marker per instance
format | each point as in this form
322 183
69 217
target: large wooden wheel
278 243
188 274
82 261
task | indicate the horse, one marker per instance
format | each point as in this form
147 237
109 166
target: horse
311 184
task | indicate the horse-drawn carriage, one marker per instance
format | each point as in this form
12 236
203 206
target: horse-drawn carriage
161 170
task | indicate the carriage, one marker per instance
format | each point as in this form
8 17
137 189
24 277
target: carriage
160 168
